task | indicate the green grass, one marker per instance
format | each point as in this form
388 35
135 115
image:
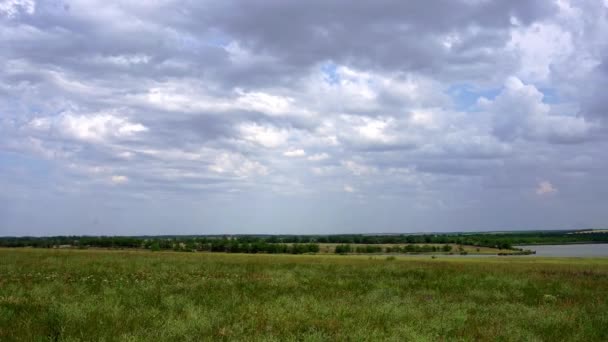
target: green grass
73 295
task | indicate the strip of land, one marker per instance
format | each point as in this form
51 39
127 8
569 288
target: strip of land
498 243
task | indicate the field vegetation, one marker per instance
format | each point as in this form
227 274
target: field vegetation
102 295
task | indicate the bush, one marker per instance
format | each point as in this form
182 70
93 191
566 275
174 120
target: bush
343 249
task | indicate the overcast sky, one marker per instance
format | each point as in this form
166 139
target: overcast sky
206 117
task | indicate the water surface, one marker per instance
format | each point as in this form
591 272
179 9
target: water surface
577 250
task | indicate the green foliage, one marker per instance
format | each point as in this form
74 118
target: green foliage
177 244
417 249
294 244
343 249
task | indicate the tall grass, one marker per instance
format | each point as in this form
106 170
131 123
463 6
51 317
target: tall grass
141 296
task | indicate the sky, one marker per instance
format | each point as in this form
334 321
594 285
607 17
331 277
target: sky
302 117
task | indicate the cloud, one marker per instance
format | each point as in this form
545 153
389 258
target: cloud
358 169
545 188
265 103
11 8
318 156
263 135
119 179
519 112
540 46
295 153
98 127
237 165
258 111
348 188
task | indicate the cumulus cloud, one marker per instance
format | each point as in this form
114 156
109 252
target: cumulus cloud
236 115
519 112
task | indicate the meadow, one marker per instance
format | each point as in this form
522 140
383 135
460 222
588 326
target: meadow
83 295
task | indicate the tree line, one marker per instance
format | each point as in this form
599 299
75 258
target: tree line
298 244
347 248
227 245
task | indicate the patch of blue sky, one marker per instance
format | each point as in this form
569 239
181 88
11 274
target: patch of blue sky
214 38
550 95
329 70
465 96
217 38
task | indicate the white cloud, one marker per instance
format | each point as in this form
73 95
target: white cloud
40 124
192 96
237 165
266 136
323 170
186 96
242 57
119 179
345 89
100 127
97 127
318 156
216 109
295 153
265 103
370 132
519 112
172 154
125 155
545 188
375 130
540 46
424 118
358 169
123 60
11 8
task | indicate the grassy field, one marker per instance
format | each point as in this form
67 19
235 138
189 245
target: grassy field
81 295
